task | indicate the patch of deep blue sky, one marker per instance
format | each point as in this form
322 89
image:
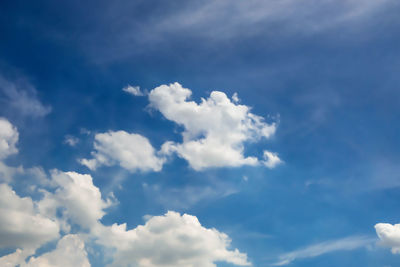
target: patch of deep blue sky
335 87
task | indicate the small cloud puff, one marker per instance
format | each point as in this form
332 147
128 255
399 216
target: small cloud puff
134 90
71 140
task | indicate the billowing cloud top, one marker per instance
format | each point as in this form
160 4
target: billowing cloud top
214 130
180 241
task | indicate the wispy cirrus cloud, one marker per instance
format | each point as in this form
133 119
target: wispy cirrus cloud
21 98
224 21
343 244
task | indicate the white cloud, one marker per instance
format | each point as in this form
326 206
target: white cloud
172 240
22 226
23 100
134 90
70 252
348 243
214 130
131 151
71 140
271 160
27 225
389 235
8 138
79 198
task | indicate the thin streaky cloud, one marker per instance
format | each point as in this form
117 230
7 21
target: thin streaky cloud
343 244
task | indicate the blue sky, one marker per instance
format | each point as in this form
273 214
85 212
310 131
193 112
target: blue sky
199 133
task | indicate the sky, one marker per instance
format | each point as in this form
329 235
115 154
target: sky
199 133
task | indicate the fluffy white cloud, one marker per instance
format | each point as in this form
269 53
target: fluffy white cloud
131 151
134 90
27 225
79 199
8 138
22 226
214 130
70 252
389 234
172 240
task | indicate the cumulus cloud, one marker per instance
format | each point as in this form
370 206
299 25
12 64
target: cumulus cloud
131 151
21 98
27 225
79 199
70 252
214 130
134 90
389 235
8 138
347 243
71 201
172 240
22 226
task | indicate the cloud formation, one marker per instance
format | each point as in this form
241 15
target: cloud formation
172 240
215 130
129 150
214 135
70 201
